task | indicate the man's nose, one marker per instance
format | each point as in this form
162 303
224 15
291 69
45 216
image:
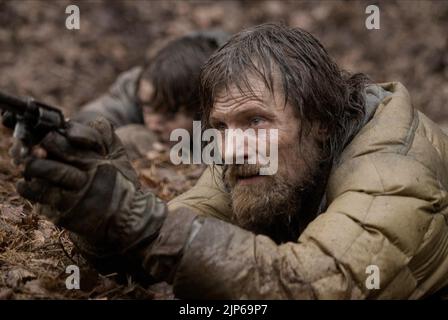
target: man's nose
238 148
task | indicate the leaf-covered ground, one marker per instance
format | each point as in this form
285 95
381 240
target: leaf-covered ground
41 58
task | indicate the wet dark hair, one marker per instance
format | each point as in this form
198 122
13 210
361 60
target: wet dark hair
308 78
175 69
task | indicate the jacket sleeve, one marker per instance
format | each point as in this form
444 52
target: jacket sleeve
119 105
387 223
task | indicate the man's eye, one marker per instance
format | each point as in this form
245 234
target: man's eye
255 121
220 126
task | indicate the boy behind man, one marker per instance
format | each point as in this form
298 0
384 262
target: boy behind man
147 102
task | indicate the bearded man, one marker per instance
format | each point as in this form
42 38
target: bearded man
362 179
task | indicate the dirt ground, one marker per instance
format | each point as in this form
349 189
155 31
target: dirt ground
39 57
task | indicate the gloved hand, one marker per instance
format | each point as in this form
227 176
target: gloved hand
87 185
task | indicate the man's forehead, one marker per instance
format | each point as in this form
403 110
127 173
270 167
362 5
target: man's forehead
248 92
232 96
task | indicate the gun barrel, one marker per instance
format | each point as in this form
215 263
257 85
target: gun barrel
13 104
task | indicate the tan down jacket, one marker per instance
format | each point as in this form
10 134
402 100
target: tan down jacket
387 207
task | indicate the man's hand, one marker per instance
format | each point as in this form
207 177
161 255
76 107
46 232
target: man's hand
87 185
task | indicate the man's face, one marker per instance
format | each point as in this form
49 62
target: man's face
257 200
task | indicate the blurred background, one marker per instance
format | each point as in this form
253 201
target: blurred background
41 58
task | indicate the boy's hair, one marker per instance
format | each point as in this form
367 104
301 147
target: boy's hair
175 69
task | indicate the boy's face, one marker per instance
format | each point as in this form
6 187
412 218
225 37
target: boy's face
162 123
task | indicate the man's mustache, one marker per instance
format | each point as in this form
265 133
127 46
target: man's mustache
235 172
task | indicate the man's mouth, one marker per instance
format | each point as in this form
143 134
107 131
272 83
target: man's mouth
243 175
246 180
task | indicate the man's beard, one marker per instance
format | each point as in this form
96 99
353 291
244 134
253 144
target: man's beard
275 207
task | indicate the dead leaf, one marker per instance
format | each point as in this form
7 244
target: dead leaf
149 178
152 154
11 213
35 288
38 237
17 276
6 294
160 147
